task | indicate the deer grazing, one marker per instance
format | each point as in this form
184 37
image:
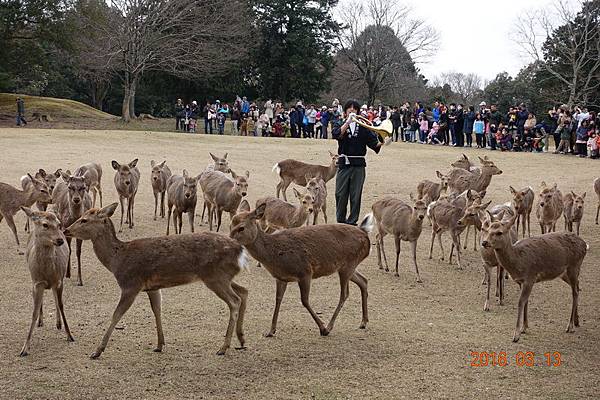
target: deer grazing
152 264
280 214
296 171
12 199
549 208
47 261
159 176
93 179
219 164
222 193
72 200
460 180
537 259
182 194
307 253
127 179
430 191
403 222
318 189
523 204
573 210
597 190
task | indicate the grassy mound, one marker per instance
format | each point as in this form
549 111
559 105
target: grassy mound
56 108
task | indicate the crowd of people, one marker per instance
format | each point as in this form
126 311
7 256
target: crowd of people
574 130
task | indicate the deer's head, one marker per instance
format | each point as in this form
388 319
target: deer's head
419 208
92 223
190 184
221 163
489 167
46 228
241 183
244 226
40 189
306 200
518 199
124 171
157 170
495 233
462 162
443 179
76 188
578 201
50 179
546 194
472 213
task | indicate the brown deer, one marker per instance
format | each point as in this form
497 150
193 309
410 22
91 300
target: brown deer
46 257
183 194
159 176
430 191
463 162
12 199
549 208
472 217
460 180
403 222
296 171
127 179
50 180
537 259
219 164
72 200
318 189
573 210
222 193
152 264
280 214
523 204
597 190
307 253
93 179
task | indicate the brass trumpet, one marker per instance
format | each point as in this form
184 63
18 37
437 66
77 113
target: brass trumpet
384 130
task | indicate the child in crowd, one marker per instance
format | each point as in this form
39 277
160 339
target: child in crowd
277 128
504 140
423 128
433 134
581 139
221 122
593 144
478 130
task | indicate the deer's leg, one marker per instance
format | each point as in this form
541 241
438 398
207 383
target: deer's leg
432 240
226 293
155 204
180 219
162 204
68 273
597 212
38 296
121 224
397 243
78 244
58 291
219 216
344 289
500 284
278 188
155 303
203 212
284 186
169 210
324 208
93 190
211 211
414 257
40 321
362 283
13 228
517 224
126 300
529 224
387 268
467 236
378 241
523 299
487 278
99 188
304 285
280 291
130 206
439 236
58 320
242 292
191 215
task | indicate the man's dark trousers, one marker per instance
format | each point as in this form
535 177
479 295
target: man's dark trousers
348 185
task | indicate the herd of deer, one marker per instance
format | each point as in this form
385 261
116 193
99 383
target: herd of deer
278 235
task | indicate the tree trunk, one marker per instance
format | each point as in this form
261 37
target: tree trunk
129 87
132 99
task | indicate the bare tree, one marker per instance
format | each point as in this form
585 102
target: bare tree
566 43
466 87
187 38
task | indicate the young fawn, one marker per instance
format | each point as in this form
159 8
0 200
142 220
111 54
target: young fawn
47 257
573 210
537 259
127 179
159 176
307 253
148 265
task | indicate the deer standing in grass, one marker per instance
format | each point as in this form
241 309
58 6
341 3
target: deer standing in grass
280 214
46 257
537 259
460 179
573 210
317 188
549 208
127 179
93 179
430 191
183 194
403 222
222 193
307 253
151 264
219 164
12 199
523 204
296 171
72 200
159 176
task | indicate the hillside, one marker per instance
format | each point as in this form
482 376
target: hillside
58 109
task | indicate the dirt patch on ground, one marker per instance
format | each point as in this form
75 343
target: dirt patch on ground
420 337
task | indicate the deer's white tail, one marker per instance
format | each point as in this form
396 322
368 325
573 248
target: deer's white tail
25 182
367 223
430 207
244 259
277 169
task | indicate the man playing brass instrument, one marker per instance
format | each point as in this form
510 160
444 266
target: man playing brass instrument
353 140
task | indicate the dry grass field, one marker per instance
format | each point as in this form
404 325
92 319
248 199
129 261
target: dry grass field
417 345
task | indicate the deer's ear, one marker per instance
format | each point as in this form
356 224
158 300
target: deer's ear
233 174
225 156
185 173
481 160
244 206
412 197
213 157
465 156
512 190
115 165
41 173
108 211
500 214
162 164
57 173
65 176
439 174
486 205
583 195
247 174
259 212
509 223
133 163
152 163
297 193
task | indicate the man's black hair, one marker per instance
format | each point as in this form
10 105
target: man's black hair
351 103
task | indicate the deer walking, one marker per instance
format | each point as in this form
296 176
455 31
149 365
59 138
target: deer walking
159 176
550 207
310 253
460 179
93 179
537 259
222 193
182 194
523 204
153 264
430 191
403 222
296 171
47 261
573 210
127 179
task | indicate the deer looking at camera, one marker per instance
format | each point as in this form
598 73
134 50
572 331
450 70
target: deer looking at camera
573 210
151 264
537 259
47 257
296 171
127 179
50 180
218 164
183 194
306 253
317 188
92 172
159 176
523 204
549 208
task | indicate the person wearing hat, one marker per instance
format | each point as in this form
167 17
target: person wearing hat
353 140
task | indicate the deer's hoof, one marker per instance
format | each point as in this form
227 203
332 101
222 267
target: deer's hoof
324 331
221 352
70 339
158 350
79 283
270 334
241 348
419 280
23 353
95 355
